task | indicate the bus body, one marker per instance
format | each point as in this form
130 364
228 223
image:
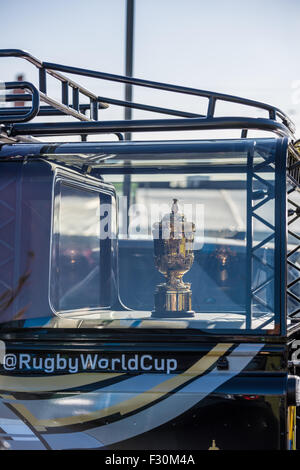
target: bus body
86 362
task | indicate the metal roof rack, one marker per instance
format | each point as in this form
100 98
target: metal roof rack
14 121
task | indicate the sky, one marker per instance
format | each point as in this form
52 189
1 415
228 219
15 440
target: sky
241 47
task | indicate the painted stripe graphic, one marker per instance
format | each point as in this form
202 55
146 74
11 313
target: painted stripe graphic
126 406
175 404
54 383
195 387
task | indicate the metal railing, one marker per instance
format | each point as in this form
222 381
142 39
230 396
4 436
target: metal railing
276 120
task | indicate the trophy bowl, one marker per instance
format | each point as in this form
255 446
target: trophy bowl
173 256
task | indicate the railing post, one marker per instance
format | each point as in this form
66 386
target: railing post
42 80
75 99
65 93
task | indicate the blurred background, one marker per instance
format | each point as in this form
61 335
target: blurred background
246 48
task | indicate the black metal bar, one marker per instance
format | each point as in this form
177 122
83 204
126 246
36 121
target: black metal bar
129 59
262 285
33 111
65 83
191 149
263 242
290 191
253 249
21 54
157 85
249 241
52 69
262 302
25 55
44 111
42 80
294 234
167 169
262 261
294 219
128 96
291 315
295 165
268 160
293 265
293 203
152 125
65 93
264 324
75 98
94 109
294 296
170 87
291 284
103 100
280 249
18 97
263 221
145 107
61 108
290 253
261 203
211 107
27 97
272 114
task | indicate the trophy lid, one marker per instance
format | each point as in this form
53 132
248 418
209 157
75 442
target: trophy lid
174 213
173 221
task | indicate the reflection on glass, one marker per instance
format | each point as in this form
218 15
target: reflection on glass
76 248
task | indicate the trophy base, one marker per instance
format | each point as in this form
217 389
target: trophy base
173 302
